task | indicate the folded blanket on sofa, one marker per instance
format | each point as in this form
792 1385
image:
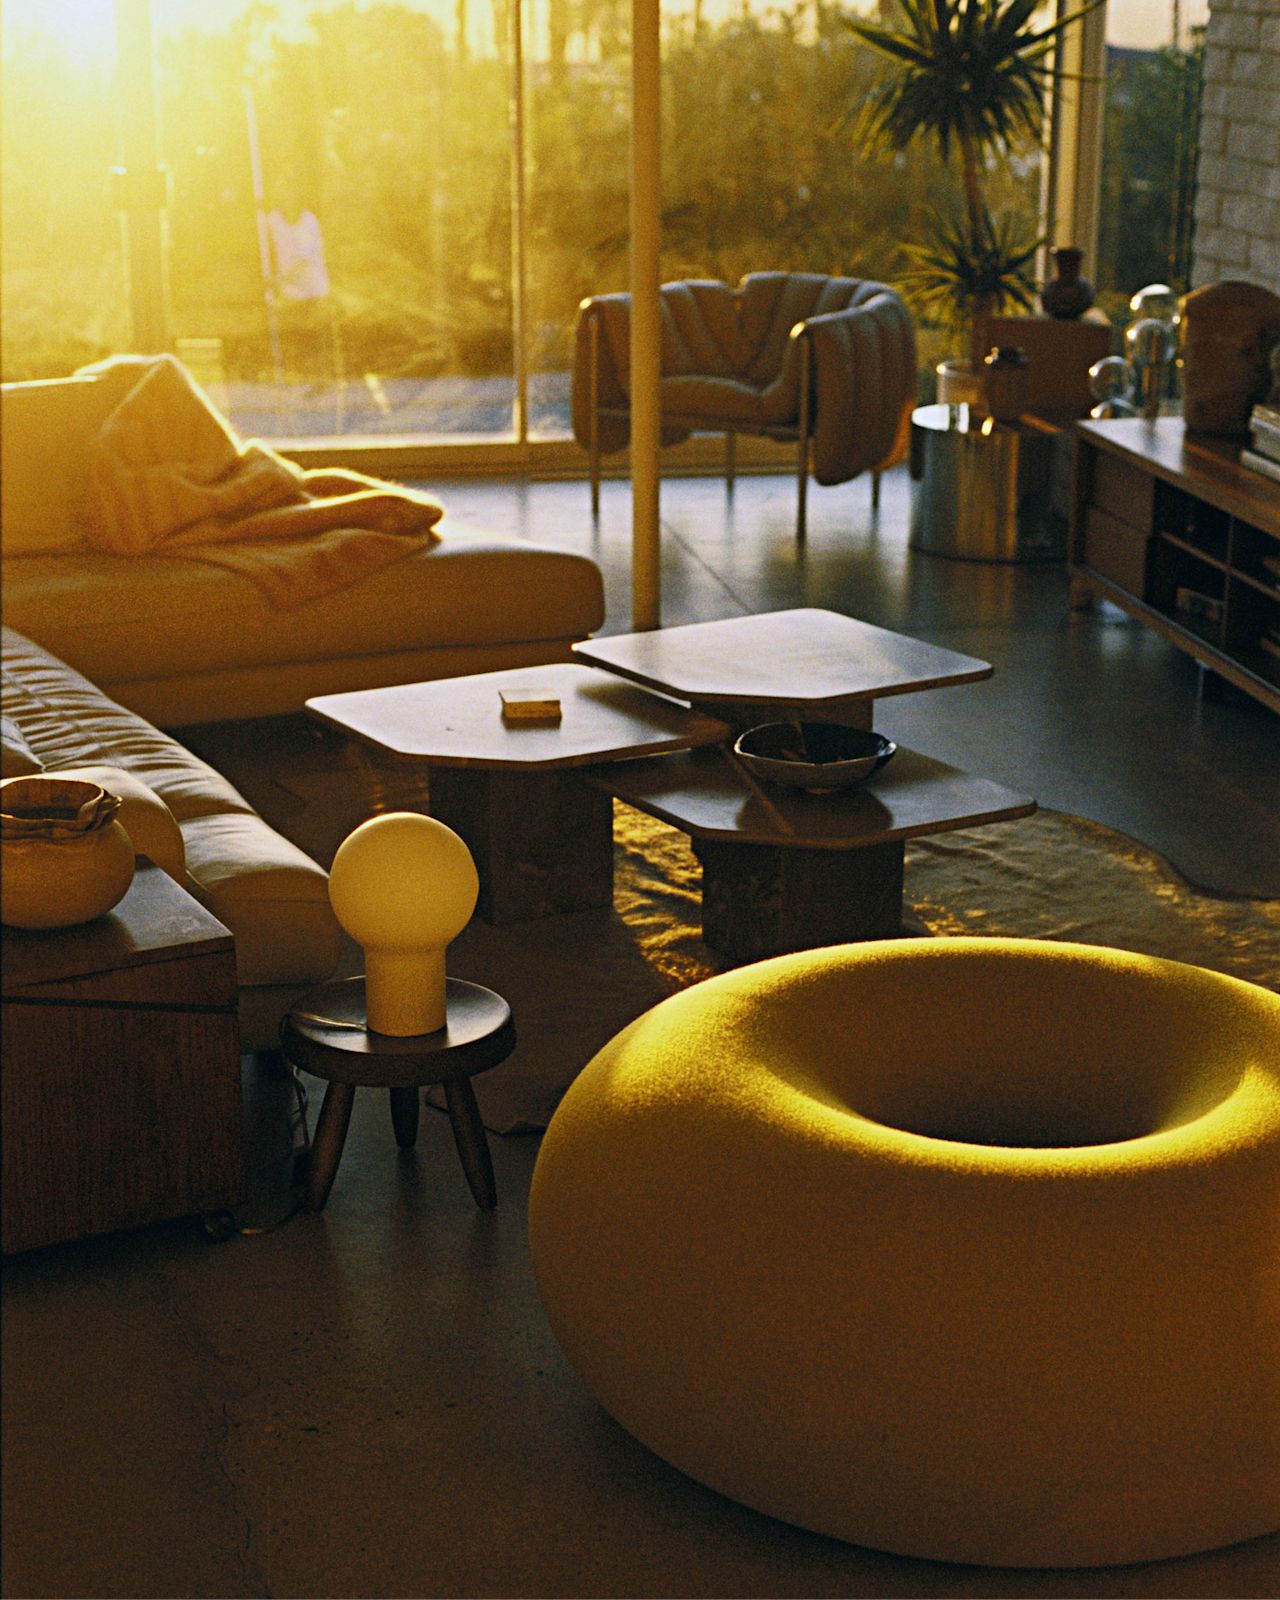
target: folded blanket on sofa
169 474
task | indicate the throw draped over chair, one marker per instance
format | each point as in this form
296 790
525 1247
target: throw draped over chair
828 363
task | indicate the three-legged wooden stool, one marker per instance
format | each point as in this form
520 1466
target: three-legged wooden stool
325 1034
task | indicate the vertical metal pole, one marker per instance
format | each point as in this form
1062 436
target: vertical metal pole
143 197
519 226
805 429
593 442
646 230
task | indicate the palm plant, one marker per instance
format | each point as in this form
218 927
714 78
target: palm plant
962 279
970 75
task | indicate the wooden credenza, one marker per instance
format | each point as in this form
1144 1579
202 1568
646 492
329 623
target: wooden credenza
1171 528
121 1082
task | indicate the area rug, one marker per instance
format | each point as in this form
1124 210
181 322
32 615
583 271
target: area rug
574 981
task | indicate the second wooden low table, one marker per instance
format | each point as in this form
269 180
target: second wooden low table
121 1081
804 662
783 871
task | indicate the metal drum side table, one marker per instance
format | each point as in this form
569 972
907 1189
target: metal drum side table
986 490
325 1034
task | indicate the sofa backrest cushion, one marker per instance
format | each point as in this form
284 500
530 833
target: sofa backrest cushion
46 428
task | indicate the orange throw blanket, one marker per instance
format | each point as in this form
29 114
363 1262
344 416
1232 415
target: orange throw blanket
170 476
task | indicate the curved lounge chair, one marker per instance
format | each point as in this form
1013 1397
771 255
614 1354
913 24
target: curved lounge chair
829 363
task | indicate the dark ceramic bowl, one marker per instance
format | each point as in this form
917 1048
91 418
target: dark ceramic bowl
814 756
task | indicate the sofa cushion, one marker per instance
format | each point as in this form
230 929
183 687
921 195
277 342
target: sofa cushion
68 722
274 899
45 432
143 814
186 817
122 619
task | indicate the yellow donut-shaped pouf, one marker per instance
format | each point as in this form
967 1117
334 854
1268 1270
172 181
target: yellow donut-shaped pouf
966 1249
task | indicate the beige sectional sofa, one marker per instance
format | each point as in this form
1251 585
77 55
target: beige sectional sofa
182 642
99 649
188 819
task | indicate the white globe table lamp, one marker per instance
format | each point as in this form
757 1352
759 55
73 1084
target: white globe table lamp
403 886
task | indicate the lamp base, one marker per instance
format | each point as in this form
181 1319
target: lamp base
404 992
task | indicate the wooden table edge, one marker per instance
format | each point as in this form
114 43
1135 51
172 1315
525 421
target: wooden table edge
1008 805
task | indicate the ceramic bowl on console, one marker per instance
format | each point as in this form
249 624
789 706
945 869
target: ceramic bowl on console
817 757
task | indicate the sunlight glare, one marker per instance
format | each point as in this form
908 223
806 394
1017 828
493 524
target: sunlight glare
81 31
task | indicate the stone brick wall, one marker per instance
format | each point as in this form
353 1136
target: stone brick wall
1237 232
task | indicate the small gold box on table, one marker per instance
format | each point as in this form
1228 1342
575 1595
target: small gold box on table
529 705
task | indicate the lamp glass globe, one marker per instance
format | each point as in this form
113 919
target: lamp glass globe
402 880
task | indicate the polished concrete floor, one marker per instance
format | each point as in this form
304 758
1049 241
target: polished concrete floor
369 1402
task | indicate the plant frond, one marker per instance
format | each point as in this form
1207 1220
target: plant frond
952 275
890 44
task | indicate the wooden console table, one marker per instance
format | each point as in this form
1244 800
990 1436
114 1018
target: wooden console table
1171 528
121 1083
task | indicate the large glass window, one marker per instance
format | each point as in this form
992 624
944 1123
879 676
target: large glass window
382 214
340 253
577 83
761 168
64 300
1153 60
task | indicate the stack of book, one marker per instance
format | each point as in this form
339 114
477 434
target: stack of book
1262 454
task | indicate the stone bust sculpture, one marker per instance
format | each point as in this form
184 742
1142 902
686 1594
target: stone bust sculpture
1230 331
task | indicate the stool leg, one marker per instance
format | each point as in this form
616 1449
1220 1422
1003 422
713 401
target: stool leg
404 1116
326 1147
473 1146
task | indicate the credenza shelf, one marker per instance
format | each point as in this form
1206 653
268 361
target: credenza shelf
1172 529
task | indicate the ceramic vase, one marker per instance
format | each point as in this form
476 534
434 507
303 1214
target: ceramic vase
1006 383
1067 295
64 858
959 384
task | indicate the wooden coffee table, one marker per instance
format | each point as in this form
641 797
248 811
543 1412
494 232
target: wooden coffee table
786 871
542 838
807 662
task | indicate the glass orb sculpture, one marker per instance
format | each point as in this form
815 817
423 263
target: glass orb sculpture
1150 342
403 886
1111 382
1152 345
1156 300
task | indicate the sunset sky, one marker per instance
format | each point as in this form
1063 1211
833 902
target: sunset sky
83 27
